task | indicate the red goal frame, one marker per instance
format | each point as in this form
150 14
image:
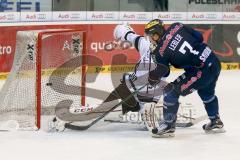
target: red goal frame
39 70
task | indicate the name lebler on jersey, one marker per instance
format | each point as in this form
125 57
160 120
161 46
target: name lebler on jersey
175 42
169 37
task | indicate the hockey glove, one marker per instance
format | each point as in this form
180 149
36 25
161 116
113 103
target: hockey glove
156 74
120 32
153 79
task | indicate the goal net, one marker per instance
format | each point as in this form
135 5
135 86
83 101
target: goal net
49 67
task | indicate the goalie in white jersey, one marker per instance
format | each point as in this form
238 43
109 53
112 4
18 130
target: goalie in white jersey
141 72
132 81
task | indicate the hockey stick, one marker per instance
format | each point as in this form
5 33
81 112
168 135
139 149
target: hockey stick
178 124
193 121
81 128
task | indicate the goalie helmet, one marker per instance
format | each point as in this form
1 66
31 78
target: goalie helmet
155 26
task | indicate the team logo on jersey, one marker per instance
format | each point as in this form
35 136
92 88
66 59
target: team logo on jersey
169 37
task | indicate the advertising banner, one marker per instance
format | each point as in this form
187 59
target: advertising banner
224 39
204 5
36 16
9 16
62 16
102 16
68 16
170 16
204 16
25 5
135 16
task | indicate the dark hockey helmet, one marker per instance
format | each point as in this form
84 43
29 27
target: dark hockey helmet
155 26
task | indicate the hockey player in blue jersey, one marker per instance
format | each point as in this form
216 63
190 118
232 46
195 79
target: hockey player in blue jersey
183 47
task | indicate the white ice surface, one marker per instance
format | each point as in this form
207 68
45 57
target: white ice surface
128 142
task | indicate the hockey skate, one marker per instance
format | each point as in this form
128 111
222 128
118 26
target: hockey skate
214 126
164 130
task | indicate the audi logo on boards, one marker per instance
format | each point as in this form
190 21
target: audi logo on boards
41 16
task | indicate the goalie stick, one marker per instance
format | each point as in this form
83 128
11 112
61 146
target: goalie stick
192 122
85 127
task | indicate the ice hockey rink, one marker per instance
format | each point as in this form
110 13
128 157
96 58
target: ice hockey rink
111 141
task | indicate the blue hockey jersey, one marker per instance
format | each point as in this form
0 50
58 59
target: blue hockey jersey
182 47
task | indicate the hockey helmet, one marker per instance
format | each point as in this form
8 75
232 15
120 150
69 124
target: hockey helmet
155 26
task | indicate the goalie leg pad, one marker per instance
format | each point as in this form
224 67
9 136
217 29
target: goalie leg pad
151 115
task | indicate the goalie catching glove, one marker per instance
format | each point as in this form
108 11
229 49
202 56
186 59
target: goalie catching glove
121 31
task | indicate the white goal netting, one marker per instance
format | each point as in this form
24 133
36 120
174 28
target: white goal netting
47 68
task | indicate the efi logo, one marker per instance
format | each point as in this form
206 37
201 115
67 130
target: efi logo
10 5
